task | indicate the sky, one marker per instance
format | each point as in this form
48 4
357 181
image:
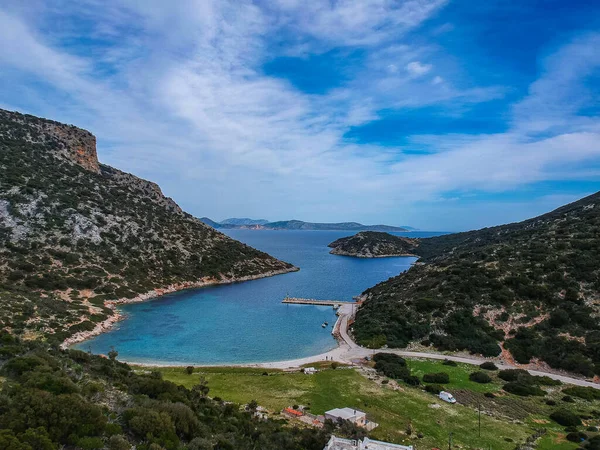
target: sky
438 114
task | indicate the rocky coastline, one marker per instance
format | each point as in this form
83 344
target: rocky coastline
337 251
117 316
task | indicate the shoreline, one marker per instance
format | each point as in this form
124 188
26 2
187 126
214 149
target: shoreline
117 315
356 255
347 352
339 353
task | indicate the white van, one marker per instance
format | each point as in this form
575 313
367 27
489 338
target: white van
447 397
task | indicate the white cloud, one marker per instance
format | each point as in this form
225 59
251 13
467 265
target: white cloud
194 111
417 68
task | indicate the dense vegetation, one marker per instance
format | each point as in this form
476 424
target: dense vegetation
74 233
53 398
533 287
373 244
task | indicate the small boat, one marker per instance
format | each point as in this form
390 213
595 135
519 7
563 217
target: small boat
324 324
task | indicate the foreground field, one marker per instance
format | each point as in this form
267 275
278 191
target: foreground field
507 420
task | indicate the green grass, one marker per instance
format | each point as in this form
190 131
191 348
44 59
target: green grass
459 375
555 441
393 410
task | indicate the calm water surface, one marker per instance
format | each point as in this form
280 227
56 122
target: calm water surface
246 322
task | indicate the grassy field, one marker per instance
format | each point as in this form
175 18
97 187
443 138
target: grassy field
395 411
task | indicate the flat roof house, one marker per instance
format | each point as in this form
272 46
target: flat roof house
355 416
336 443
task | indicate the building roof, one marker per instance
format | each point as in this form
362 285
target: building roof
345 413
370 444
336 443
293 412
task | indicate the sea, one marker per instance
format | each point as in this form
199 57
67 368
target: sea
247 322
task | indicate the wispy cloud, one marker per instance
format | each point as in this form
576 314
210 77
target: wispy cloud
417 68
177 93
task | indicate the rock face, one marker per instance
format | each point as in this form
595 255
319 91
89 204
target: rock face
75 233
69 142
373 244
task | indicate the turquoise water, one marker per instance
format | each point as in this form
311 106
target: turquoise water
246 322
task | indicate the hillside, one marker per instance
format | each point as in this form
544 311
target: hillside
532 288
243 221
74 233
297 225
373 244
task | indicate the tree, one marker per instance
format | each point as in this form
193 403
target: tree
252 406
112 355
189 370
201 389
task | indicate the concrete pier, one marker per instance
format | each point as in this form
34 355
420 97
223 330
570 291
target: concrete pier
313 301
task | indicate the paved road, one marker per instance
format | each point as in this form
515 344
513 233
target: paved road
354 351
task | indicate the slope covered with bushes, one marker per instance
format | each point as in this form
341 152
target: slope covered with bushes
533 286
55 399
74 232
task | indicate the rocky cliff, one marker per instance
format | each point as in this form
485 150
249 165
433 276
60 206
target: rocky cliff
67 141
75 233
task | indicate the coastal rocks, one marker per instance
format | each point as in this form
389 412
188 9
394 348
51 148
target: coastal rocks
372 244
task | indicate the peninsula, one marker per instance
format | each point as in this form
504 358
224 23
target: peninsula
373 244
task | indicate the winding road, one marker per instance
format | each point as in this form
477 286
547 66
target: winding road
349 351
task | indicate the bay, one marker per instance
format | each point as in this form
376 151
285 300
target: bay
246 322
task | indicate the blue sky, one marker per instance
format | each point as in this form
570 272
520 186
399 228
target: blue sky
440 114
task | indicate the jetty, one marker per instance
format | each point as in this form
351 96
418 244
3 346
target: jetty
314 301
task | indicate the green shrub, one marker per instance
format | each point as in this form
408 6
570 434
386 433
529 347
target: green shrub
412 380
565 418
568 399
513 374
480 377
488 365
438 378
118 442
90 443
389 358
523 390
434 388
585 393
449 362
576 436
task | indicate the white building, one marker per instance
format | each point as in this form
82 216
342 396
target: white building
355 416
310 370
336 443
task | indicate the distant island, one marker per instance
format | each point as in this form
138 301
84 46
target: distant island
373 244
261 224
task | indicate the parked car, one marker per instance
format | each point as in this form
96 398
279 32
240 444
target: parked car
447 397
